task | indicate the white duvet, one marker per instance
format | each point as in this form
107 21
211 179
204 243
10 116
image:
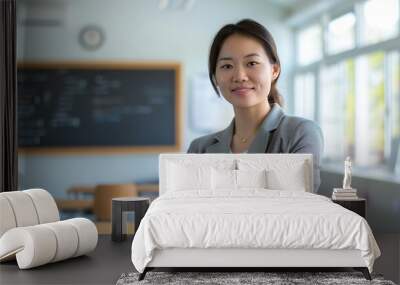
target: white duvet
251 218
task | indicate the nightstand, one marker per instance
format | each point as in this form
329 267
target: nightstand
357 205
138 205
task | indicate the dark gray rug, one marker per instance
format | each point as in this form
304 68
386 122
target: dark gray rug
229 278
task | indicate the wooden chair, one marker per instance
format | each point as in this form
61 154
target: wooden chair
74 205
103 195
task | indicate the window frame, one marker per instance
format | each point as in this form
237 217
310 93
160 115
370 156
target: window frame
387 46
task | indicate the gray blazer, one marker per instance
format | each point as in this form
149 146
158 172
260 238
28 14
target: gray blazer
278 133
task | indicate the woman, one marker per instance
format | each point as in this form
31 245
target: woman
244 66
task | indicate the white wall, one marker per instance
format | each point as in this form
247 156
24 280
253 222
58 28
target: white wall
135 30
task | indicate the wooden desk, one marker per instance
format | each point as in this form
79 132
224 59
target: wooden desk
79 204
76 191
90 190
153 188
74 205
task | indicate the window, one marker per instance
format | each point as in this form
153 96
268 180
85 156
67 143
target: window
337 109
380 20
304 96
307 53
341 33
353 89
370 116
394 118
394 70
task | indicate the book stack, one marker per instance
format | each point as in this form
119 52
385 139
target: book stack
344 194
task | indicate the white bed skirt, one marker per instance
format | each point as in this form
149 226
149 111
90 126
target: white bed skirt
192 257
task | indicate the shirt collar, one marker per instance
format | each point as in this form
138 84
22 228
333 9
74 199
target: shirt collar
273 118
260 142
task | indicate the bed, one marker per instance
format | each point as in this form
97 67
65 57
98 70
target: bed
244 211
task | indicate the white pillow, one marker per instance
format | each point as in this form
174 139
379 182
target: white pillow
188 177
251 178
283 173
235 179
278 180
223 179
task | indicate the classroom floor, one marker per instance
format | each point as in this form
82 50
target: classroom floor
111 259
102 266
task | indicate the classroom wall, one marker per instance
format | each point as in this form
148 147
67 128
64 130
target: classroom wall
135 30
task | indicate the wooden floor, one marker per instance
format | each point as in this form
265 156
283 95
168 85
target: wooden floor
111 259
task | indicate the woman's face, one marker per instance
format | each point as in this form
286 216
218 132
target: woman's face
244 73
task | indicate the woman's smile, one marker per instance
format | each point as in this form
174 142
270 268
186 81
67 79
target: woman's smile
241 91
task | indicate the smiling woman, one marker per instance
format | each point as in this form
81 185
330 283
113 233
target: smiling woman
240 74
244 67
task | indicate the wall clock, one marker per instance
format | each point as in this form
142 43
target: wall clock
91 37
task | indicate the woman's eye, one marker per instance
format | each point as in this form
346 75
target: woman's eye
226 66
252 63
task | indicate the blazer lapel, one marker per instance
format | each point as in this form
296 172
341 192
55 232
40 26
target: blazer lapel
270 123
259 145
223 140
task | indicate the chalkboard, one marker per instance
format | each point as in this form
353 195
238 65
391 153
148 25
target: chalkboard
99 106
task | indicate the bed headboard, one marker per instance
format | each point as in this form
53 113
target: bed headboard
295 168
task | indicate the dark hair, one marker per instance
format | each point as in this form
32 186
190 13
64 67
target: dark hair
255 30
